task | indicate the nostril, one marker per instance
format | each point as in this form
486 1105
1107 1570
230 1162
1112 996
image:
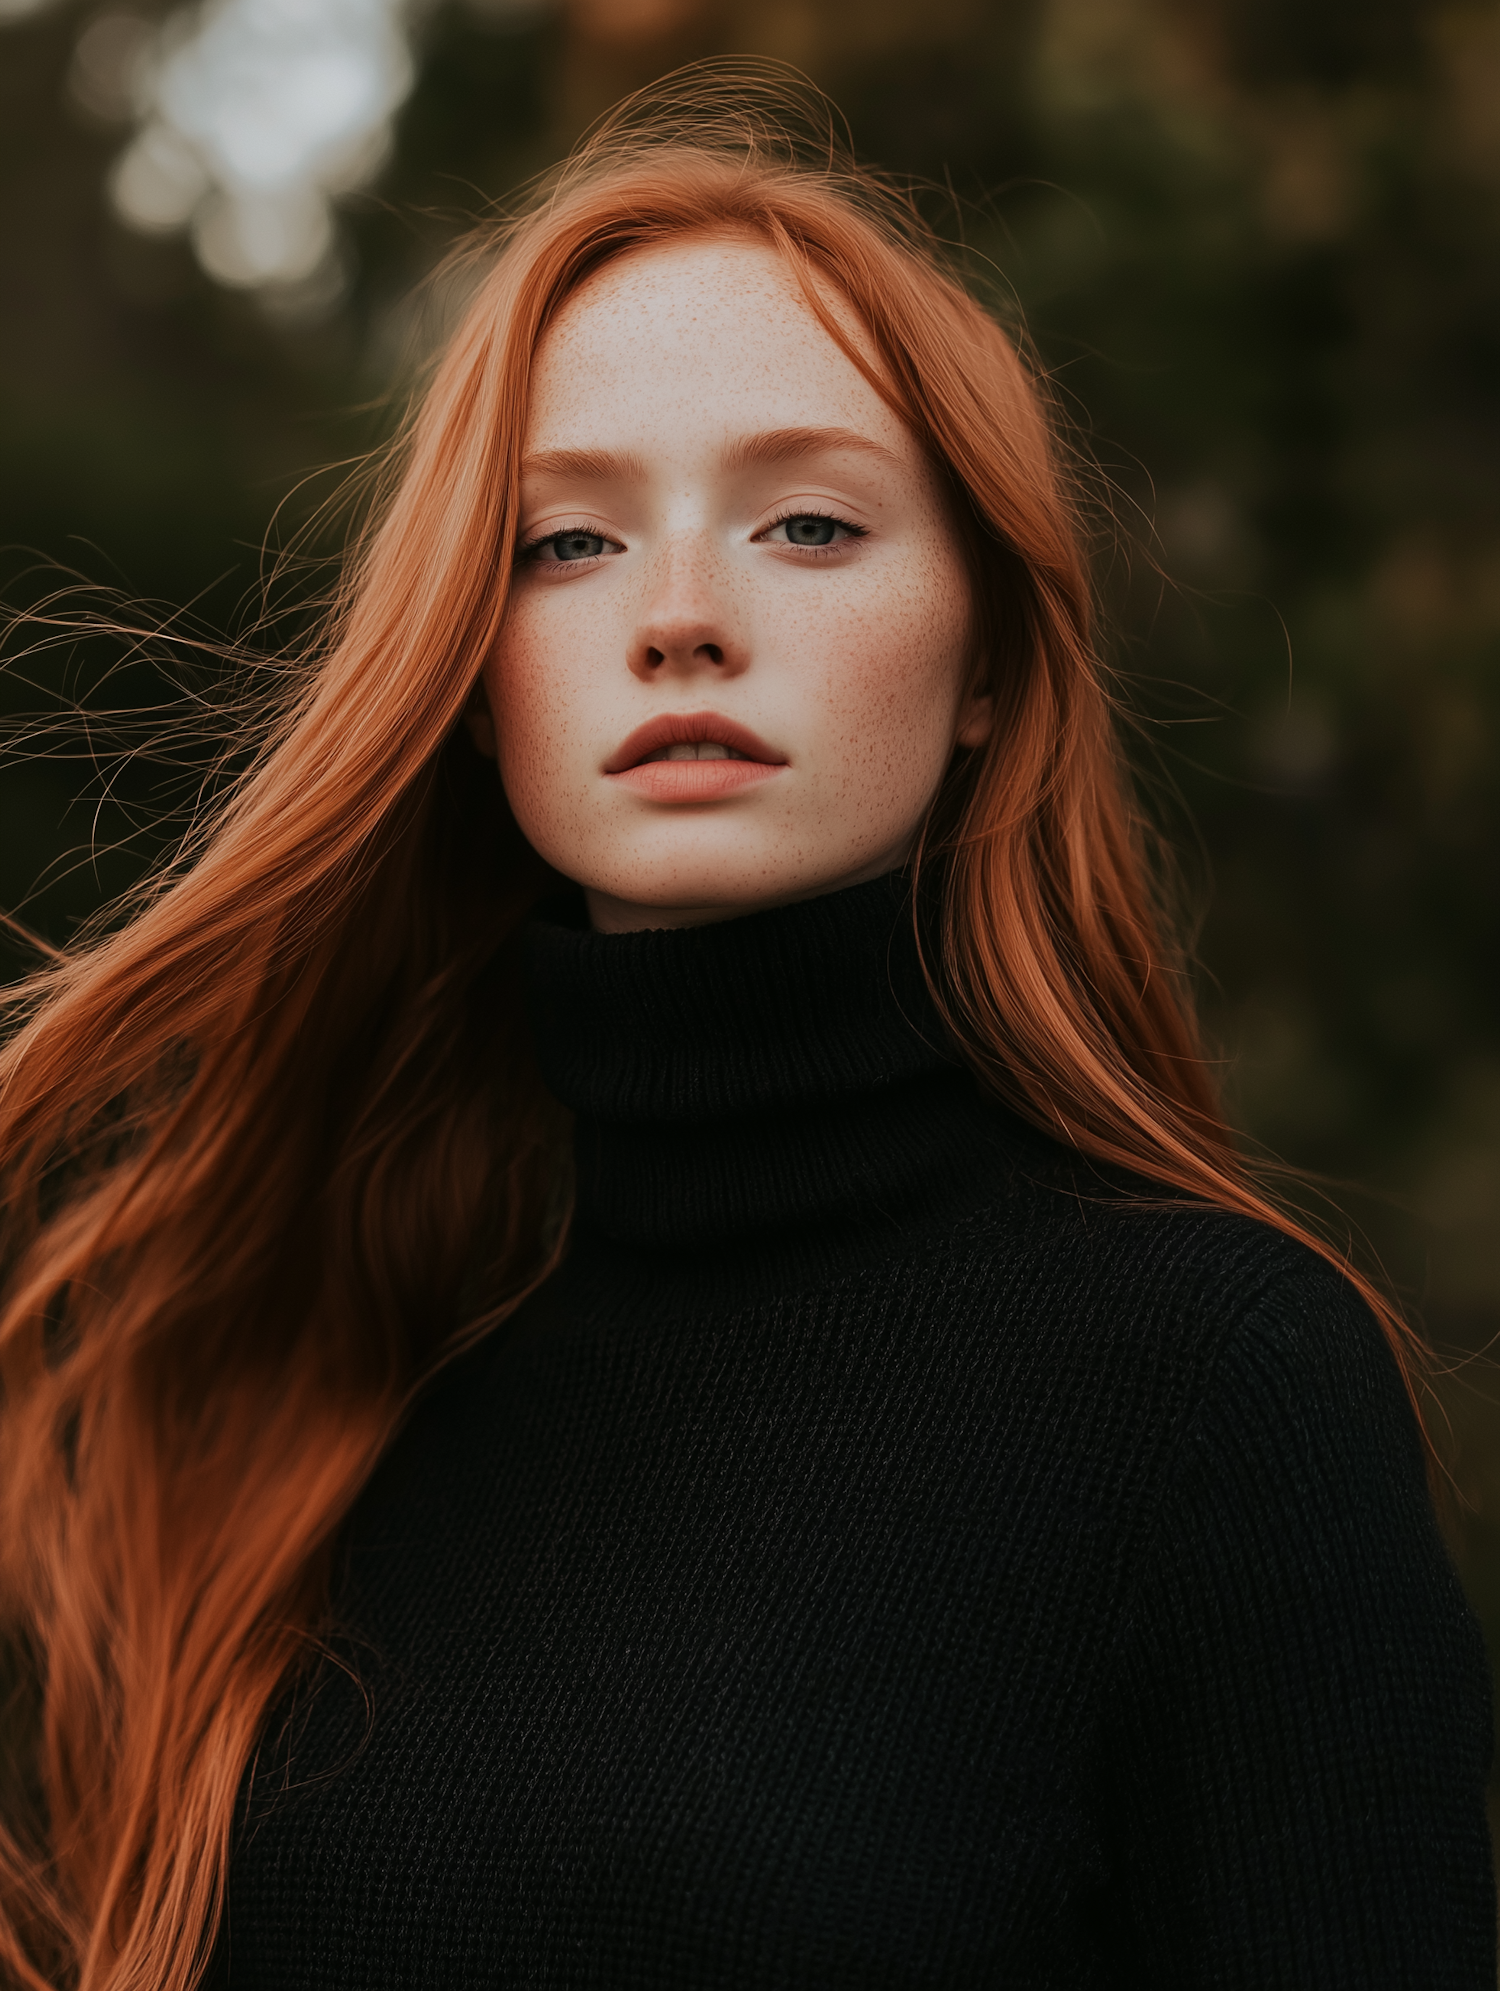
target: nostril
654 657
714 654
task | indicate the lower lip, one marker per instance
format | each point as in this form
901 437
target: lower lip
696 780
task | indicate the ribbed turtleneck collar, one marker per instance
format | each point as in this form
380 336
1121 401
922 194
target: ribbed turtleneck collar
761 1079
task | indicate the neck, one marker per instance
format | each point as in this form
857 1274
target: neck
778 1085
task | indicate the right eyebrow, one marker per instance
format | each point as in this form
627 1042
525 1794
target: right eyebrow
586 466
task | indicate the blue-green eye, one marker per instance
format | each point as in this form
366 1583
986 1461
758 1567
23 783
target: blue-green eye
809 531
813 530
567 546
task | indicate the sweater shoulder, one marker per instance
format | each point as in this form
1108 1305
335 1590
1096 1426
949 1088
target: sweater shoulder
1155 1253
1201 1308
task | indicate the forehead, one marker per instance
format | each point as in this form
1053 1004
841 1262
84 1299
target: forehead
703 332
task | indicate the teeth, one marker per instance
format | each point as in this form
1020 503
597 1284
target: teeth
697 750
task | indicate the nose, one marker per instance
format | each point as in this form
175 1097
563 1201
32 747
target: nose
688 626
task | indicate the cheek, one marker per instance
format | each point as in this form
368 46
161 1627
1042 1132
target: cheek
529 697
895 700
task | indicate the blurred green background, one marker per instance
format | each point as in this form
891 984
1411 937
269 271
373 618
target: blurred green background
1257 242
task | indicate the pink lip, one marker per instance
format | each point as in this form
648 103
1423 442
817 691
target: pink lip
691 780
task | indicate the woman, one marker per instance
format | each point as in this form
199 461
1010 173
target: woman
635 1352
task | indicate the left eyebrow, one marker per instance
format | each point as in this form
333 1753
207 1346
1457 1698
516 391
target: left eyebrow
775 446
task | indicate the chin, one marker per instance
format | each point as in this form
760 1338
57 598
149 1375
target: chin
725 873
707 891
689 896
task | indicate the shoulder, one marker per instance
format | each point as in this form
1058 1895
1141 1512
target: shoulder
1124 1254
1308 1372
1196 1315
1297 1713
1293 1562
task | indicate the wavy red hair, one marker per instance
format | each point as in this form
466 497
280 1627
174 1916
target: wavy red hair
275 1146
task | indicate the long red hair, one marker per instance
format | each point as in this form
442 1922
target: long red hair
275 1146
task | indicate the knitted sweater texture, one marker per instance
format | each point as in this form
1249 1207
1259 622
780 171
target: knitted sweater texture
887 1554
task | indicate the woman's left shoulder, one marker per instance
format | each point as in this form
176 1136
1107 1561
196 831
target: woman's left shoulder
1203 1313
1308 1332
1186 1272
1304 1375
1299 1718
1292 1352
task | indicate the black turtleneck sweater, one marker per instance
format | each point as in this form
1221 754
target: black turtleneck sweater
887 1554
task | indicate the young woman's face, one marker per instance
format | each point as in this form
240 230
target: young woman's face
734 665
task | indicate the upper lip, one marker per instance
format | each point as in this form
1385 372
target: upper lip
672 729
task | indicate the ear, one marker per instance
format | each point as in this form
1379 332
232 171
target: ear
481 721
976 718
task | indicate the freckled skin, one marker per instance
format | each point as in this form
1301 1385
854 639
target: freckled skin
849 660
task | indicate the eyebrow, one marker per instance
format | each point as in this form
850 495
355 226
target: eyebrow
787 445
586 466
772 446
